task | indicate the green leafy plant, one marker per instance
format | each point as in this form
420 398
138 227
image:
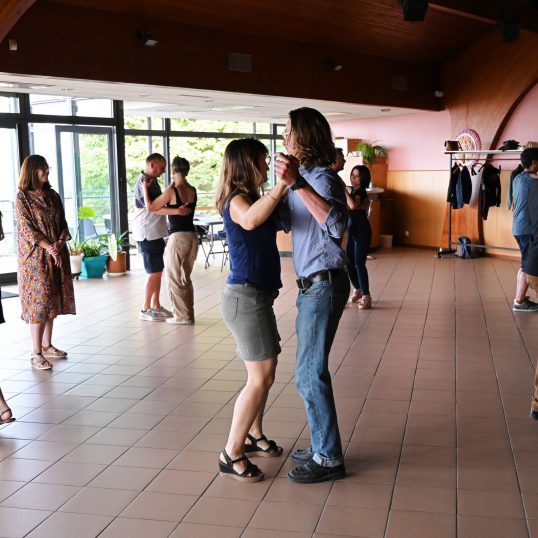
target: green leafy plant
97 246
370 152
85 212
115 243
75 247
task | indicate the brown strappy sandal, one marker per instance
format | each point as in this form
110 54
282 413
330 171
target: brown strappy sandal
251 474
41 363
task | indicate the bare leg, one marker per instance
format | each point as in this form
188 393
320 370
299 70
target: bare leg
152 291
37 331
521 286
249 405
256 430
47 334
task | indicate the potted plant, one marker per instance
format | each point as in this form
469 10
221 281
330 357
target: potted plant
75 257
116 263
370 152
95 256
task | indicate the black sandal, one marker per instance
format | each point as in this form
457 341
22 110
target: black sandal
252 448
251 474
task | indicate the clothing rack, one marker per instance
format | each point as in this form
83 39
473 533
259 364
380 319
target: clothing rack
509 155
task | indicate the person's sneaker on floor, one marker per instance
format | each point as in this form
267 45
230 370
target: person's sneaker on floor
174 321
302 455
161 311
526 306
365 302
150 315
311 473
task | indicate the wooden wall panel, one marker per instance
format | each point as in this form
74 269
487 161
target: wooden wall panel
419 203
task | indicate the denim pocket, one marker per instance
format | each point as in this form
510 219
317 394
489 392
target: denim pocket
316 289
229 306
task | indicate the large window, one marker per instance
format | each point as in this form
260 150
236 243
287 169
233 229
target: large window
78 138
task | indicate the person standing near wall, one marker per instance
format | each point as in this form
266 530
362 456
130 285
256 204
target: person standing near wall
318 214
522 227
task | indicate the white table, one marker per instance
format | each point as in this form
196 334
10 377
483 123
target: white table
212 238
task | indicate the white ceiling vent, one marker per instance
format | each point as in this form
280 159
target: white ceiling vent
240 62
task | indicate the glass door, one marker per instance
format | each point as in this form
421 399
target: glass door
9 157
87 178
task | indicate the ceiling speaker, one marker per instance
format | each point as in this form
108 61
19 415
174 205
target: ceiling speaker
414 10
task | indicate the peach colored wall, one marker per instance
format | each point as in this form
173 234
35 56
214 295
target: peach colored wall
414 141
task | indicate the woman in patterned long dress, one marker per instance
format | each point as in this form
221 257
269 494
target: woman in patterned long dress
45 283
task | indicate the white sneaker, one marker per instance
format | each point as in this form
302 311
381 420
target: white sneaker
174 321
149 315
161 311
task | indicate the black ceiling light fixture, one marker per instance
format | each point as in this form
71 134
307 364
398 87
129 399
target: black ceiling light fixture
333 65
146 39
414 10
509 22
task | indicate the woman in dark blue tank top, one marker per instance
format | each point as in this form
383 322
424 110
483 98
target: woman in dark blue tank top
182 246
247 299
359 236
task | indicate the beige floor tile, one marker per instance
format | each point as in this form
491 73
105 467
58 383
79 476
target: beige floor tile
286 517
195 530
40 496
45 450
424 499
70 474
491 527
352 521
17 522
137 528
156 458
131 478
344 493
159 506
8 487
21 469
503 504
219 511
404 524
64 524
181 482
97 454
99 501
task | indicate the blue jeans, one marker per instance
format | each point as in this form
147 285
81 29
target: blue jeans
320 308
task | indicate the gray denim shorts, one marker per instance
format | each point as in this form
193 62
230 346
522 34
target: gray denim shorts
249 315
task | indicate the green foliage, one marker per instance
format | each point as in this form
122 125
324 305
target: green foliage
95 247
115 243
85 212
75 247
370 152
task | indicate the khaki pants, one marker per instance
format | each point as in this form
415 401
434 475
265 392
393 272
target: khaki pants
179 258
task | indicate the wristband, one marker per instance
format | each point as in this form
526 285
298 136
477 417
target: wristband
300 182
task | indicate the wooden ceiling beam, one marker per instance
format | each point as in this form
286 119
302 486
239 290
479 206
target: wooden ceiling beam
10 12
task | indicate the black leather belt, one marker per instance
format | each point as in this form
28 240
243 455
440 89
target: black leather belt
320 276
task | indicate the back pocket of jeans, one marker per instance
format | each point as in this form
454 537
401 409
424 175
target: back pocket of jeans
229 306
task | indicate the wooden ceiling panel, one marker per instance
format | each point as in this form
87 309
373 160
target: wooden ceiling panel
368 27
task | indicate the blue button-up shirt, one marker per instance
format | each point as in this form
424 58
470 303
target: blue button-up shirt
317 247
522 220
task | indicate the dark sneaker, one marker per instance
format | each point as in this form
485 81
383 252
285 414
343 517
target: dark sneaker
302 455
311 473
534 414
526 306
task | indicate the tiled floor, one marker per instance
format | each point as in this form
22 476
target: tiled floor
432 386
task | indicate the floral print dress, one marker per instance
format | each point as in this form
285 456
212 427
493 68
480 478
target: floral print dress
45 289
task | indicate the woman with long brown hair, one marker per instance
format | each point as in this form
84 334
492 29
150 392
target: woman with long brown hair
247 299
44 275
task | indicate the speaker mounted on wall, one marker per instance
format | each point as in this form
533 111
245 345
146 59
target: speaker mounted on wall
414 10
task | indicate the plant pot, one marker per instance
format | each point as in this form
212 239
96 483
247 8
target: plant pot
93 266
117 267
75 260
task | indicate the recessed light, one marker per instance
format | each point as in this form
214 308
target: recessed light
67 89
385 110
337 113
143 95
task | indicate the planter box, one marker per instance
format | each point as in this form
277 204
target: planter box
117 267
93 266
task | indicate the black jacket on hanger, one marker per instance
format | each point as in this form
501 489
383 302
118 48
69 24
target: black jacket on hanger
490 189
460 187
